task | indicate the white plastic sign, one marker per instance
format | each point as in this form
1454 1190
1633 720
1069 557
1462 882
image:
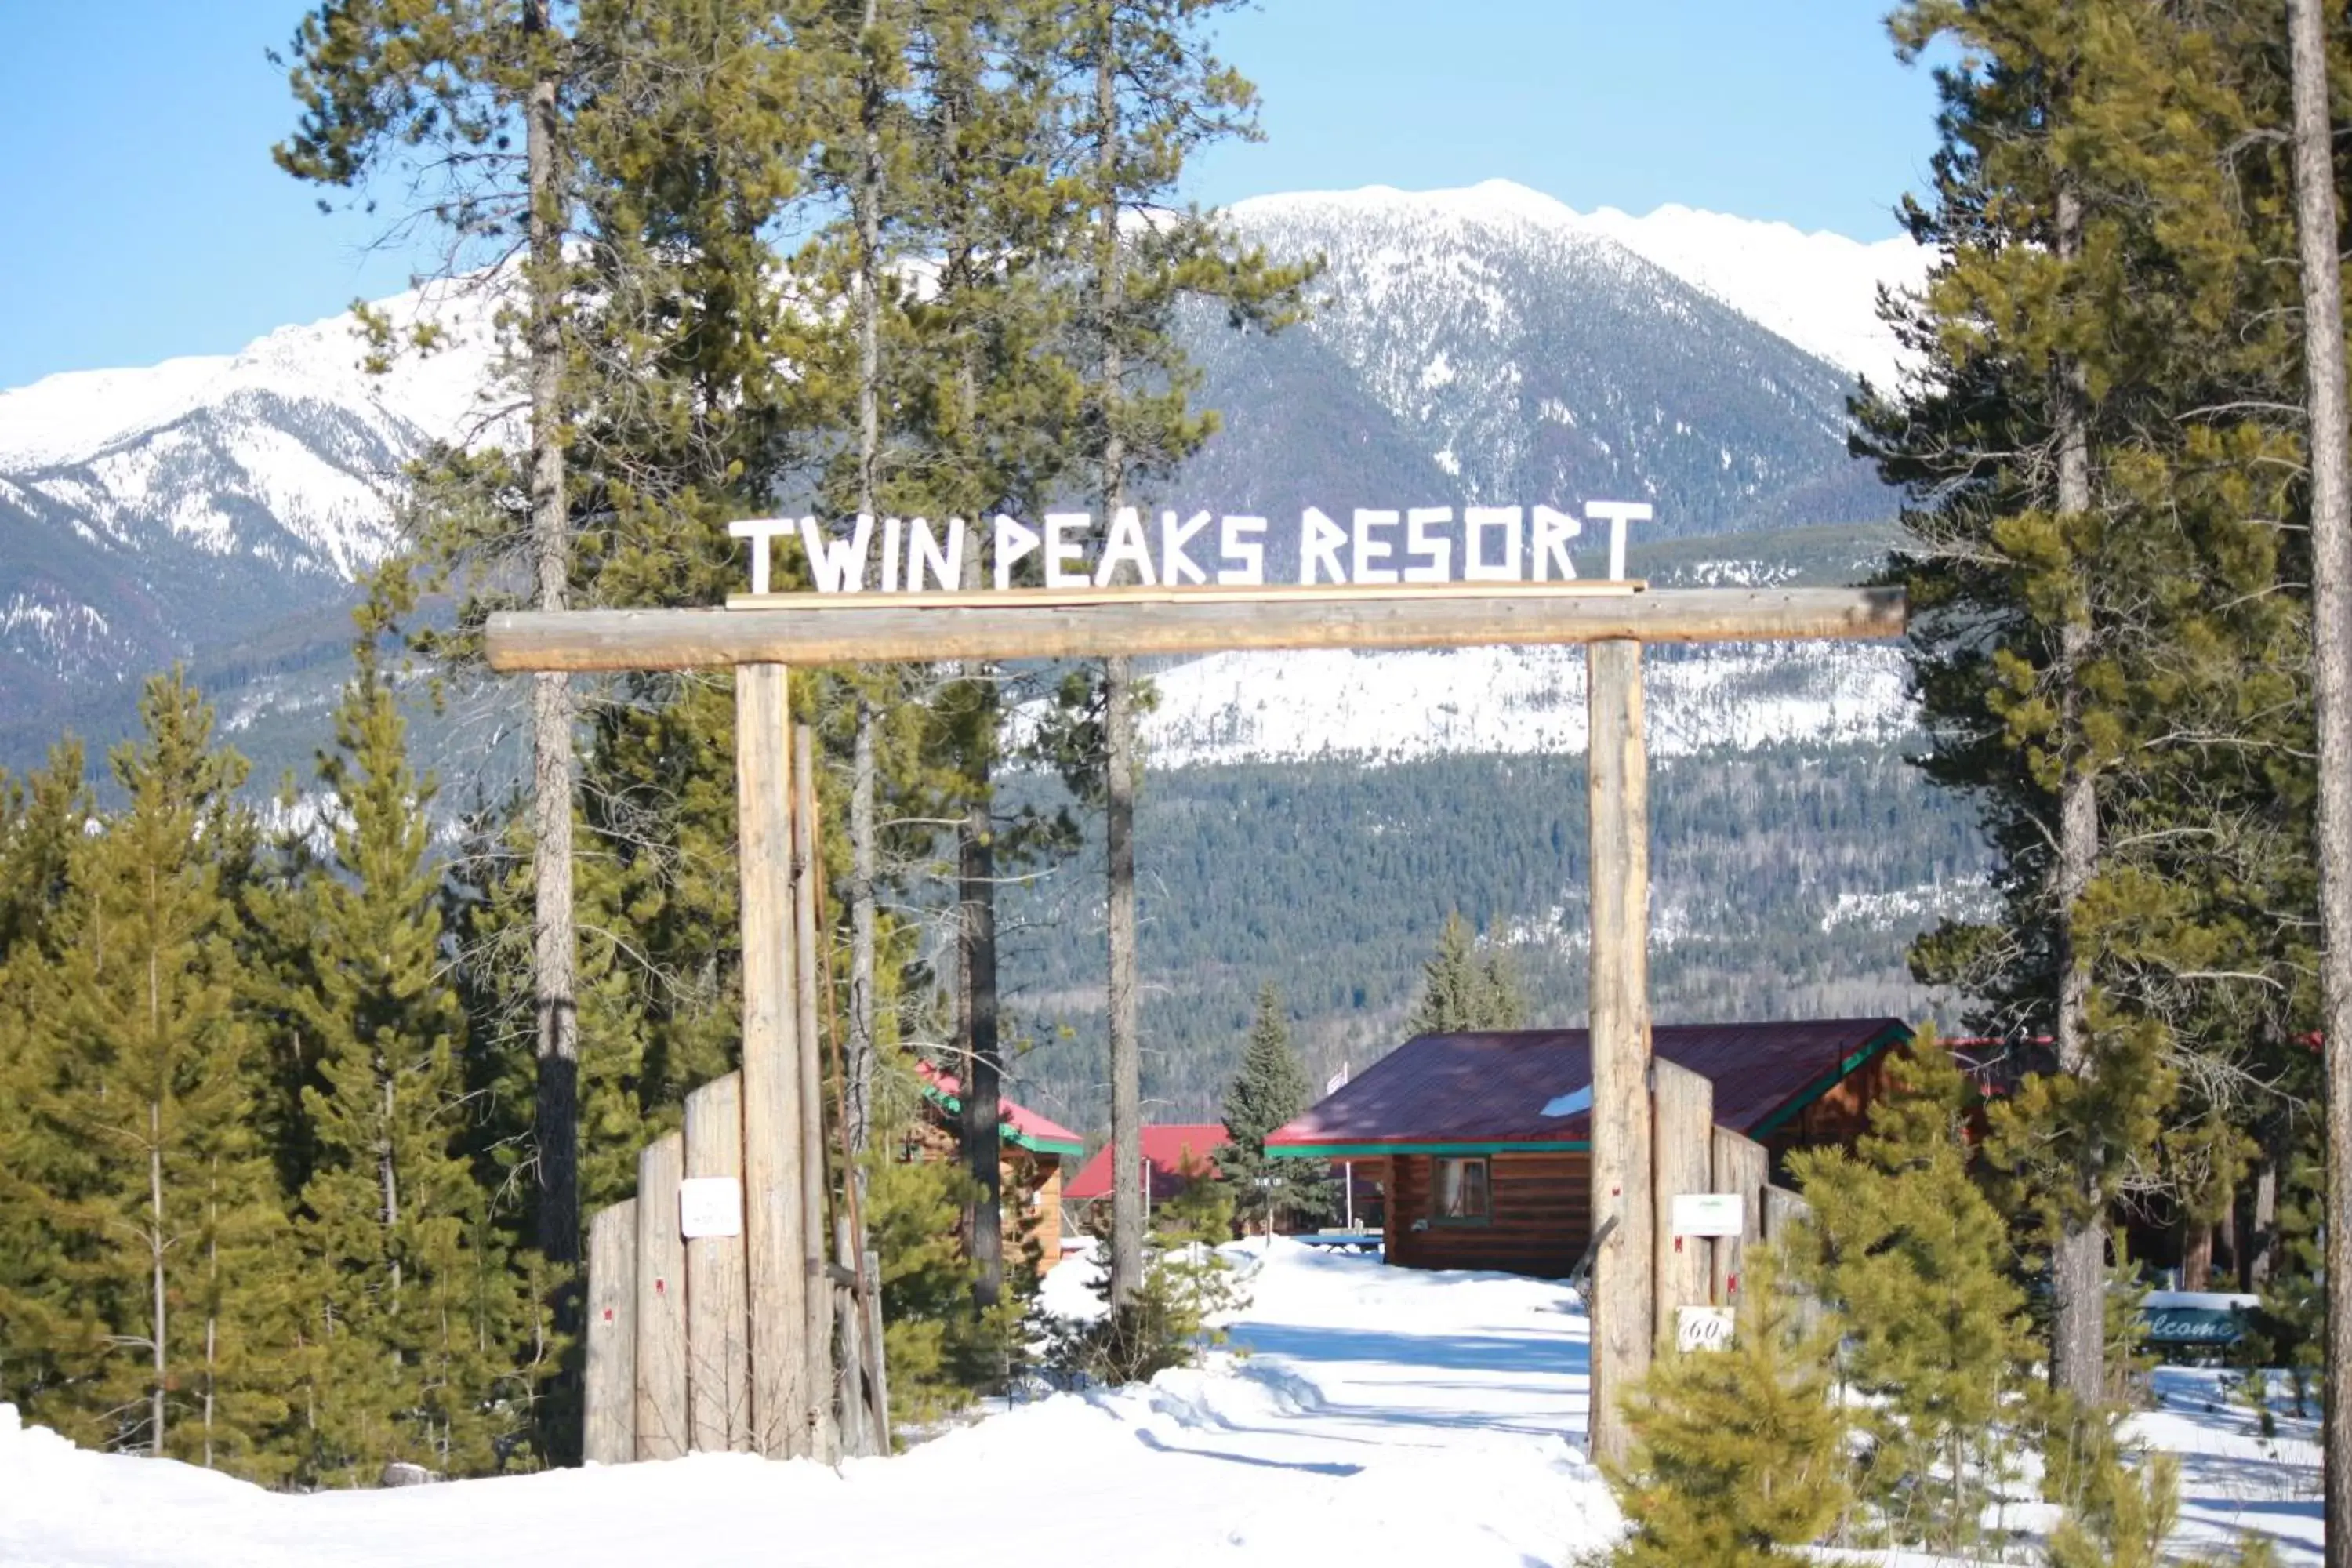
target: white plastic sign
1709 1213
709 1205
1702 1328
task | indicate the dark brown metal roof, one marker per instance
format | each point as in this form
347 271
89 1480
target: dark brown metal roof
1441 1092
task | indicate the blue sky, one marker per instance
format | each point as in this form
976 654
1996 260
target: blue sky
146 220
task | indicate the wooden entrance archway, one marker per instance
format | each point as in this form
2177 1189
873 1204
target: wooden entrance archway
761 637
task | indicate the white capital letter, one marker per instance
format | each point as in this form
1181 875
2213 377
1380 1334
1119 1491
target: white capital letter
923 551
1125 542
1234 545
1476 520
837 565
1553 531
762 531
1319 540
1013 541
1368 550
1060 547
1618 513
1417 542
1175 566
890 530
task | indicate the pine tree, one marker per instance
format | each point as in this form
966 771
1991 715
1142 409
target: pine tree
1151 93
1917 1268
169 1209
413 1308
43 1333
1464 989
1738 1454
1271 1088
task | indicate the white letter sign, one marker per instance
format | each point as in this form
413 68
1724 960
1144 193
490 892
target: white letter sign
1702 1328
1710 1214
709 1205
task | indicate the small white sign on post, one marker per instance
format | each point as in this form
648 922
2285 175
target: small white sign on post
1702 1328
709 1205
1710 1214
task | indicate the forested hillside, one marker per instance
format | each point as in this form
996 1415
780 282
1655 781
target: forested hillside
1789 882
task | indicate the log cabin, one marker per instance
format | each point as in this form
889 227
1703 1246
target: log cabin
1029 1165
1480 1141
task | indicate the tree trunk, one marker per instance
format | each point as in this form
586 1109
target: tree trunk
2261 1251
554 960
866 201
2078 1253
155 1244
863 1021
984 1063
2319 244
1127 1215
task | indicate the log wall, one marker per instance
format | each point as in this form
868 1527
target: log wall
1540 1216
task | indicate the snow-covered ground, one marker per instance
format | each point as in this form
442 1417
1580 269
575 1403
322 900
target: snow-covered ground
1364 1415
1376 1417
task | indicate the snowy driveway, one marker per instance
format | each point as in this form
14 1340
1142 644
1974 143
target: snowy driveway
1372 1416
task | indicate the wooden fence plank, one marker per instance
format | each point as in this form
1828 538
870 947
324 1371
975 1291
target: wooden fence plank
1744 1166
1618 799
609 1404
1782 1210
878 628
717 1315
815 1235
661 1419
1682 1161
776 1258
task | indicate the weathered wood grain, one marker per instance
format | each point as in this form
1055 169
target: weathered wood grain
1742 1165
817 1337
850 632
663 1423
1682 1160
775 1254
1623 1316
717 1321
609 1406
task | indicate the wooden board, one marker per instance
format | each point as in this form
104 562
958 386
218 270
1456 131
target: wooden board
609 1397
1742 1166
1623 1314
1207 594
718 1328
1682 1160
663 1423
1784 1211
1332 618
776 1261
817 1337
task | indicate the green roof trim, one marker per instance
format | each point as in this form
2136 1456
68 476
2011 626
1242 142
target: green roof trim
953 1106
1374 1150
1893 1035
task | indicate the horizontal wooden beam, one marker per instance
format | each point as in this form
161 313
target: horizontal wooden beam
860 629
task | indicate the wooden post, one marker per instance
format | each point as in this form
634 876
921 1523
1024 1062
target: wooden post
825 1437
878 1381
1783 1210
609 1412
718 1342
1682 1156
776 1255
1618 787
849 1352
662 1420
1742 1166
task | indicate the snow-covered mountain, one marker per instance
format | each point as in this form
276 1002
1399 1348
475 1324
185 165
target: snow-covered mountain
1469 344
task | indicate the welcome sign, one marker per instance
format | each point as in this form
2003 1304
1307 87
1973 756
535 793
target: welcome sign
1065 550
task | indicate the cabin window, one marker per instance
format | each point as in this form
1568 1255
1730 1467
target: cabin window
1463 1193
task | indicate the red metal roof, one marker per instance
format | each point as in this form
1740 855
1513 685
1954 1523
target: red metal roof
1177 1154
1492 1089
1017 1123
